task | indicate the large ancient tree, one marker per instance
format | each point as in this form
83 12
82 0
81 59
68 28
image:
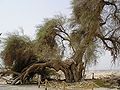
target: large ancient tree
94 24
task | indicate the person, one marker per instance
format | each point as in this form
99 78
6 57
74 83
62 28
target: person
93 76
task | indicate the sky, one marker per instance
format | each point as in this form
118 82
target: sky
27 14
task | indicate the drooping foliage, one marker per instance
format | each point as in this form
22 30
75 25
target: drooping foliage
45 42
46 38
18 52
86 16
98 18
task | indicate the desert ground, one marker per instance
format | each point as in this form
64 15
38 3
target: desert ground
84 85
34 87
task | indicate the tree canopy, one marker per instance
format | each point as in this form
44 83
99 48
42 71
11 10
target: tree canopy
94 24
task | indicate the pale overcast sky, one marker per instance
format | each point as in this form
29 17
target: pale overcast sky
29 13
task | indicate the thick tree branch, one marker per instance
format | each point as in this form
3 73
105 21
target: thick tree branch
103 23
114 46
115 11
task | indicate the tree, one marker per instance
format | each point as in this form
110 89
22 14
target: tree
94 26
18 52
89 28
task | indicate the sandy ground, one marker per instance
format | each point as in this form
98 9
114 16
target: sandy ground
34 87
21 87
4 86
101 73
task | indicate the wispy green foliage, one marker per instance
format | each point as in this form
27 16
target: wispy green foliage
46 43
91 54
18 52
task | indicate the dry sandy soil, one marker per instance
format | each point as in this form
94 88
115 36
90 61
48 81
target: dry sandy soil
4 86
34 87
101 73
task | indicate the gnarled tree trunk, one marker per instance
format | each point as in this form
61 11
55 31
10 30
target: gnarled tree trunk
88 16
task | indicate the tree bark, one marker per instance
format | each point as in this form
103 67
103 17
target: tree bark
73 72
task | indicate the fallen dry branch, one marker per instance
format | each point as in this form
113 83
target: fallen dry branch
8 72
